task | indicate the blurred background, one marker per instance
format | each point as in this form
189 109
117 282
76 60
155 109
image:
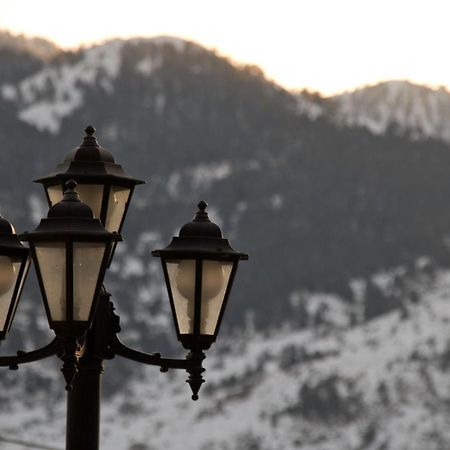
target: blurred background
318 132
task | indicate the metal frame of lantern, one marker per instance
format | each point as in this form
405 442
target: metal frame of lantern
91 165
14 265
200 242
69 223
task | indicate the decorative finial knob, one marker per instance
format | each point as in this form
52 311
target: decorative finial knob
90 130
202 206
70 185
70 194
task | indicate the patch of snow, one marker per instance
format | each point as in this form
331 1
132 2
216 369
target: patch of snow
276 201
309 106
148 65
9 92
400 106
132 266
160 103
54 93
205 174
38 208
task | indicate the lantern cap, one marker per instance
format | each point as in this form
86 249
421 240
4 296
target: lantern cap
6 227
89 149
70 205
9 241
201 225
70 218
200 238
89 163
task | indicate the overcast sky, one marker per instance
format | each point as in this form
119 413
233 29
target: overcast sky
324 45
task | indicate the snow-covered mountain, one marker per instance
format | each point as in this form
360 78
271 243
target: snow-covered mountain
398 107
335 384
336 336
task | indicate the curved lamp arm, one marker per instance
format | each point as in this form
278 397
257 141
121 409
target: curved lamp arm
153 359
25 357
192 364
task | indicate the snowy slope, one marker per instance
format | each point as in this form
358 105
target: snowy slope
400 107
381 384
58 90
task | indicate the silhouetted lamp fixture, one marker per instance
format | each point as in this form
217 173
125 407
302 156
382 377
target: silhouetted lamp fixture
102 184
14 264
199 268
89 195
70 250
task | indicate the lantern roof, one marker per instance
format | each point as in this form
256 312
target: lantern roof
89 163
70 218
9 241
200 238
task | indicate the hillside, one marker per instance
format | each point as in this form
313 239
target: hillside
346 226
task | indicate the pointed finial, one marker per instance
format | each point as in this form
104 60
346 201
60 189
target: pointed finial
70 185
195 371
201 215
202 205
90 130
70 194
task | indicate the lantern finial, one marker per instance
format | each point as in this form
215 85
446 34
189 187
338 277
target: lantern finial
70 194
202 205
90 130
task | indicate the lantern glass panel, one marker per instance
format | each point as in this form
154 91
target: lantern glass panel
51 258
182 284
9 271
117 202
87 261
55 193
215 279
92 195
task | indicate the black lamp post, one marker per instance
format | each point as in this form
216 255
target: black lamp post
89 195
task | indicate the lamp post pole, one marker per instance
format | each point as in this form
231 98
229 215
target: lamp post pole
83 400
72 248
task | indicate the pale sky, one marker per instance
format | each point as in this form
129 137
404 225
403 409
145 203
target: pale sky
323 45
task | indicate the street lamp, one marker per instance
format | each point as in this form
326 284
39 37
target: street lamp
89 195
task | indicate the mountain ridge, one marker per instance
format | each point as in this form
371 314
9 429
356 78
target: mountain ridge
400 107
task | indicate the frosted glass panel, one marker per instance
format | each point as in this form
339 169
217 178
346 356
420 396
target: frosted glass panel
20 288
55 194
51 258
216 276
118 198
87 260
92 195
182 281
9 271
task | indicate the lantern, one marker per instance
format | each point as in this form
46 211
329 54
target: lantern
70 250
199 268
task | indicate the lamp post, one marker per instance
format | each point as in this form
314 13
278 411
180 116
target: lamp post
71 249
